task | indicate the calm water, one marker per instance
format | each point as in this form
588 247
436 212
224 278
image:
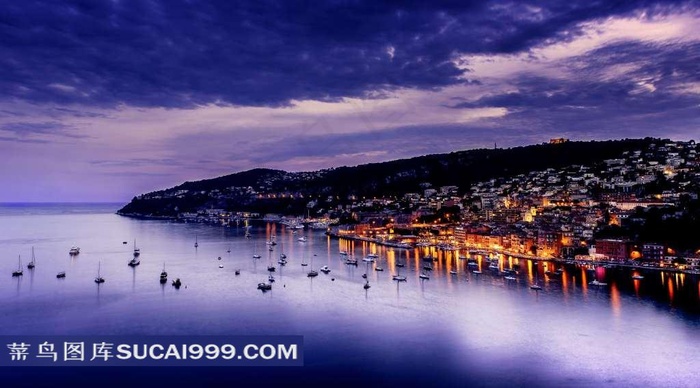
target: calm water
450 330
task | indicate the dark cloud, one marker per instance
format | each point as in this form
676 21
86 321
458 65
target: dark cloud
28 129
180 53
622 88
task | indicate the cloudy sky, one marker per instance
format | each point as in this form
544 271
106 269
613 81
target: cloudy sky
100 101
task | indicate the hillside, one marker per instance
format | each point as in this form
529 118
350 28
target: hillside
266 190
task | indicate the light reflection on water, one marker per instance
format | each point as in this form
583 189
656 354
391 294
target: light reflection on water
484 322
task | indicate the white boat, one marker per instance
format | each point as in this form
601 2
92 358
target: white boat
163 275
595 282
535 287
372 256
399 278
509 277
302 239
325 269
74 251
424 276
637 277
379 269
255 254
221 266
351 262
453 272
343 253
368 259
134 262
264 286
476 272
32 263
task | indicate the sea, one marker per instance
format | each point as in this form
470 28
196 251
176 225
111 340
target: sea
456 328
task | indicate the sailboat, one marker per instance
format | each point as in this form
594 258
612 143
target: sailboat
367 286
398 276
99 279
19 271
270 267
32 263
536 286
137 251
283 257
229 249
196 243
255 253
312 273
163 275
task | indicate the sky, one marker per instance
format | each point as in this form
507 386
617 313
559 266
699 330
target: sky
102 101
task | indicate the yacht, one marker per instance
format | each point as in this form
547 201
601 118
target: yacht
379 269
221 266
366 286
264 286
19 271
637 277
325 269
302 239
32 263
312 274
453 272
134 262
368 259
256 256
163 275
343 253
400 265
177 283
282 261
399 278
476 272
137 251
595 282
351 262
535 287
99 279
372 256
74 251
424 276
271 268
60 275
509 277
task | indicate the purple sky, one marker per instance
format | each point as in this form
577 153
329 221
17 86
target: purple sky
104 102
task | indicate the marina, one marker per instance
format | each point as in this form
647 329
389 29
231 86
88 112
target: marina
471 310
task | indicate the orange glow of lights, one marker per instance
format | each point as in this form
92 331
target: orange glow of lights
615 299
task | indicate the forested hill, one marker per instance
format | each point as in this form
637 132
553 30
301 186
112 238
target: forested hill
266 190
